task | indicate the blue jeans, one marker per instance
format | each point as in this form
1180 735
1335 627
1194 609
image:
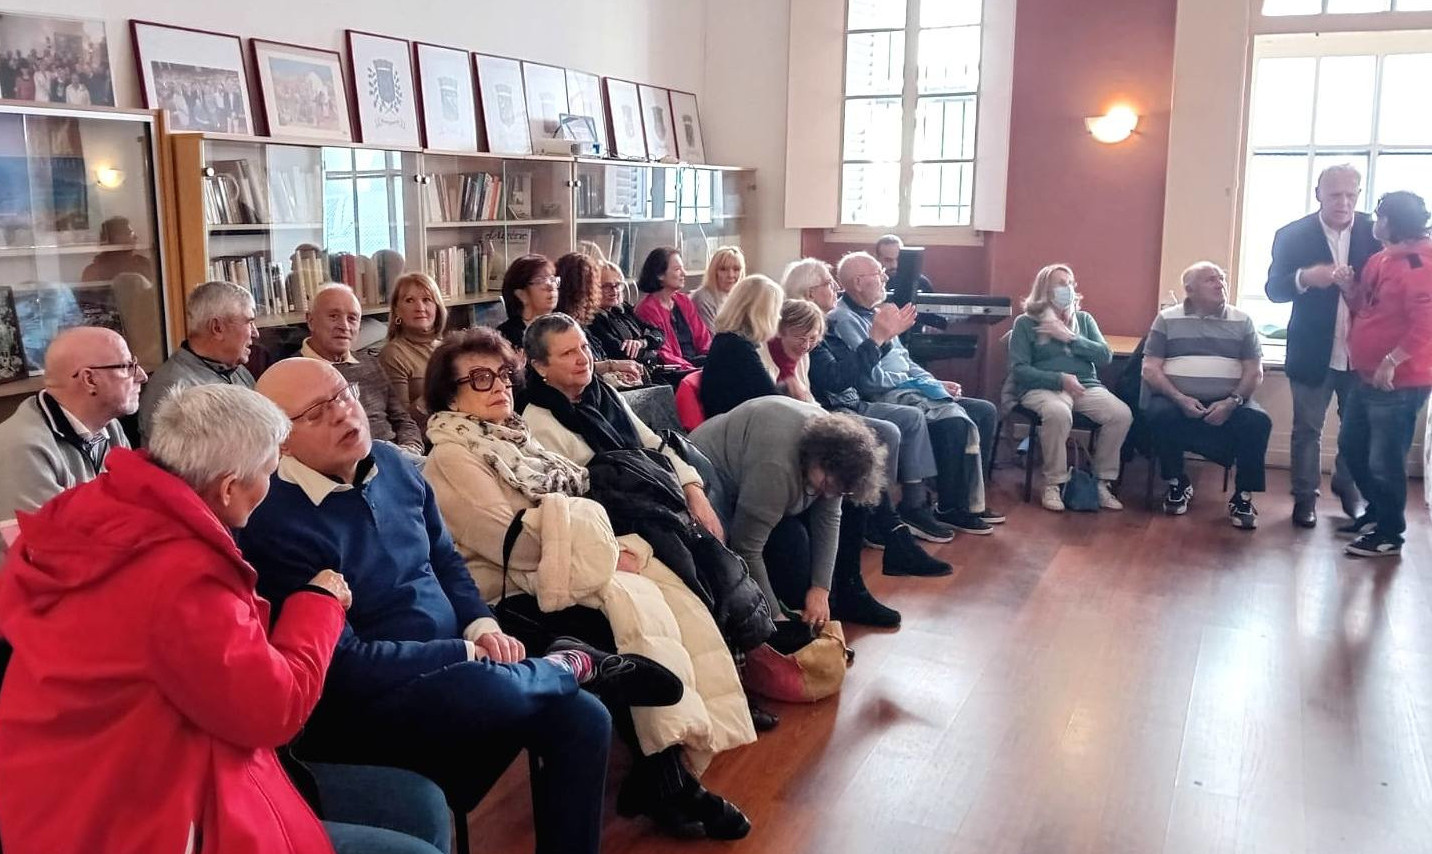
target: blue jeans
1376 435
368 809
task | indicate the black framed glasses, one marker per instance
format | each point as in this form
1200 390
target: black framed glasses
482 379
131 368
320 410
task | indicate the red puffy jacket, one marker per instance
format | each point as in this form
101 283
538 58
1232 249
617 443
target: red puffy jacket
1392 307
145 698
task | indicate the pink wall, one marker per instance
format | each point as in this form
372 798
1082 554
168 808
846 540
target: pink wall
1096 207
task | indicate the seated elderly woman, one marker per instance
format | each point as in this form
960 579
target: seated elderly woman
416 320
549 556
586 421
615 327
739 366
1055 350
187 676
578 297
687 338
529 289
726 267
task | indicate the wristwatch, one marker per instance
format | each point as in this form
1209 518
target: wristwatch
1236 398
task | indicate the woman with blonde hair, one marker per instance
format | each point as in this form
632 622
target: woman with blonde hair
739 365
1055 350
801 328
417 319
726 267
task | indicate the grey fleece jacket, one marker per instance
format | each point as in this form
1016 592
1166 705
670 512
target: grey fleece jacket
36 465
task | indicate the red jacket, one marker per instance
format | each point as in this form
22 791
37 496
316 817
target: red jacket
145 696
1392 307
652 311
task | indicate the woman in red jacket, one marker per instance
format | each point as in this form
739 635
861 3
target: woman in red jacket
664 306
1390 348
146 696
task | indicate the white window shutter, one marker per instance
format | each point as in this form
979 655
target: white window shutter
813 113
996 101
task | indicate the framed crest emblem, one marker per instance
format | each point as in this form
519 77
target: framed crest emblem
504 104
449 102
624 118
656 119
384 87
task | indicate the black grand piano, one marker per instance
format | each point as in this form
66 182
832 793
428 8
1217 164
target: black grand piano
931 338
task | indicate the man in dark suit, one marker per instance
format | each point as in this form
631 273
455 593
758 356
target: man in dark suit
1312 257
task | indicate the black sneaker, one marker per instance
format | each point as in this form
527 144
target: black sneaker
992 516
905 557
923 524
1374 545
1179 494
625 680
1241 511
1358 527
858 606
965 522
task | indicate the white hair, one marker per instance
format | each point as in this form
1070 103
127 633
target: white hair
803 275
204 432
215 301
1339 169
843 272
1197 268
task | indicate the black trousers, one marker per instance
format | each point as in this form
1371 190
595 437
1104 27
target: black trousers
1242 440
787 554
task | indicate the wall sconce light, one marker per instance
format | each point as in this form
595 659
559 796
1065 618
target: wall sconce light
109 177
1114 126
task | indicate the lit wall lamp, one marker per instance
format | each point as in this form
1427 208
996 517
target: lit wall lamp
109 177
1114 126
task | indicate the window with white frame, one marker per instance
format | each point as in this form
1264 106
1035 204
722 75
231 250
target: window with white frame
1318 100
1342 7
912 71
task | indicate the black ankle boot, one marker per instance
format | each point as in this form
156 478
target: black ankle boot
721 819
903 556
852 603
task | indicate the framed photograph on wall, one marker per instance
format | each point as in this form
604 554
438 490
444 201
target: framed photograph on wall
447 98
656 119
503 104
302 91
584 98
55 60
383 86
624 116
689 145
197 76
546 88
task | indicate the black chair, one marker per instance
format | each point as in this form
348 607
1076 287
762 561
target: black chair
1081 422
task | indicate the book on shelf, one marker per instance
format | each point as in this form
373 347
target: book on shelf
235 195
519 196
504 247
464 197
460 271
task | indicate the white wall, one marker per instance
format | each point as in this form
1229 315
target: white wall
743 112
650 41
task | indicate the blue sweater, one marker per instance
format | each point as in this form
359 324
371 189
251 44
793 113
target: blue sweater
851 323
412 595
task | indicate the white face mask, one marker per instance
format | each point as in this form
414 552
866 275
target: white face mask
1061 297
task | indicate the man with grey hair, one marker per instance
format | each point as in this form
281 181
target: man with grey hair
333 319
60 437
1314 259
220 318
1202 363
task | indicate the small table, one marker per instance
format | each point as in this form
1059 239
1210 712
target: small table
1122 345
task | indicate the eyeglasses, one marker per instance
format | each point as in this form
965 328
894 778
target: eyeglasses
482 379
613 285
320 410
130 368
550 282
883 277
830 283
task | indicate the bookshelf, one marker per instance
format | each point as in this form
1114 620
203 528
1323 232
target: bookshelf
80 235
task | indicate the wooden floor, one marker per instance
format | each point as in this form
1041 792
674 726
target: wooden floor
1099 684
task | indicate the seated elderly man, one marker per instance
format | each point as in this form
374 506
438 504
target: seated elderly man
962 429
59 438
333 319
220 318
1202 363
423 678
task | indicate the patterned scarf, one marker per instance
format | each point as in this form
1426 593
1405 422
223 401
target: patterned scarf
509 448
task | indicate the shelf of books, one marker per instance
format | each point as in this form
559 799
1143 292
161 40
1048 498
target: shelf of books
284 219
79 235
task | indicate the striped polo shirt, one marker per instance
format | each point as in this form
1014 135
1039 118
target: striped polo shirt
1203 354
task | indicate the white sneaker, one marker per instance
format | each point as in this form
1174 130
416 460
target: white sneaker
1052 500
1107 501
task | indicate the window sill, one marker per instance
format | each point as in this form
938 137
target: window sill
935 235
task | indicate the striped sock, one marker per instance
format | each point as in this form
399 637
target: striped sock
574 660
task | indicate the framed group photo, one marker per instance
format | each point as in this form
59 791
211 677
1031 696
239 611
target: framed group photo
197 76
504 104
449 102
303 91
383 85
624 113
55 60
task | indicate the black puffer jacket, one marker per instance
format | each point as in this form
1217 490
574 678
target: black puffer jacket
639 491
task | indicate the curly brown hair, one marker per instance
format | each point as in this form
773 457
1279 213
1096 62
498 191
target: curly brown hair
847 451
440 385
577 295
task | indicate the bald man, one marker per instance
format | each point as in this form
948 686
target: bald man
423 677
333 319
59 438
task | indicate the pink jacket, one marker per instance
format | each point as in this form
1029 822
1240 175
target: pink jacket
652 311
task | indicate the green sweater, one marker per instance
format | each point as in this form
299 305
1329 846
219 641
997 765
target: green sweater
1038 364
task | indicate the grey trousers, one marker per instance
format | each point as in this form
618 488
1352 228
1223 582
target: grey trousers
1310 410
916 459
